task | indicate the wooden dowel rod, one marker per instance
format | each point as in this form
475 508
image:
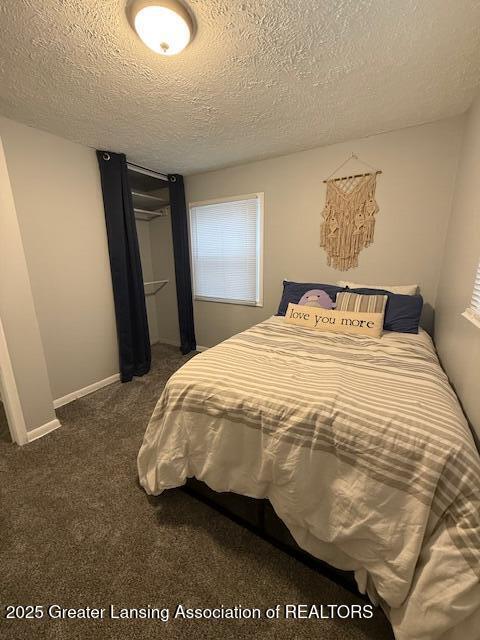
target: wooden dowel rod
357 175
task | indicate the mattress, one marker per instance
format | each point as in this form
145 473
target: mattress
361 447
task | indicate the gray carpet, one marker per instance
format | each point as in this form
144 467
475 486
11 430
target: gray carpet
77 530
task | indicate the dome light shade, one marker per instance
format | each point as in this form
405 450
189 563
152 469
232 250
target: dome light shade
165 26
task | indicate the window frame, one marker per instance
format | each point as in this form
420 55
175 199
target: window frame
259 195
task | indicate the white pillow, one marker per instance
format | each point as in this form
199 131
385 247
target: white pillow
405 289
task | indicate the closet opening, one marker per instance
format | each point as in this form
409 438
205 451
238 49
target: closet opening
4 426
12 421
151 203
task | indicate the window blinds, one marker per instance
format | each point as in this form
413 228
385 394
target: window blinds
225 239
475 302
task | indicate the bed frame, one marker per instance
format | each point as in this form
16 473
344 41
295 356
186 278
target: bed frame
258 516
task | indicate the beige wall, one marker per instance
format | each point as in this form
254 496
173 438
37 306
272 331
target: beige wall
18 316
144 244
58 198
164 269
156 250
457 339
414 194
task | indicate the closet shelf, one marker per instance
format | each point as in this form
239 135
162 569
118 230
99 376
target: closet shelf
142 200
145 214
148 196
156 284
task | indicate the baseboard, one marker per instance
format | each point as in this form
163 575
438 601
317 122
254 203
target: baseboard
41 431
200 348
59 402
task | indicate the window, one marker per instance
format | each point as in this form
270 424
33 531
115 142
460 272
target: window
473 312
226 239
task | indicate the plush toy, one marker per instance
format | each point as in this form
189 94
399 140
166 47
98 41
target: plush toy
317 298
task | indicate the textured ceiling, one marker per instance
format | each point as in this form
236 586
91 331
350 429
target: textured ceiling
261 78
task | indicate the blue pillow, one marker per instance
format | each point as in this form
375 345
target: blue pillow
402 313
293 291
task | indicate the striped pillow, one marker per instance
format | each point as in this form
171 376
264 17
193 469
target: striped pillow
347 301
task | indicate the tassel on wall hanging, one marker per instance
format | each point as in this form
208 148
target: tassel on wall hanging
349 216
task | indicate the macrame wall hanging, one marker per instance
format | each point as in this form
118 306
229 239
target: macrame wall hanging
349 216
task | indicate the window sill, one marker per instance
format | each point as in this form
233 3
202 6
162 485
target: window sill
472 317
225 301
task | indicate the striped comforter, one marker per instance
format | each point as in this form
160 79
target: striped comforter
361 447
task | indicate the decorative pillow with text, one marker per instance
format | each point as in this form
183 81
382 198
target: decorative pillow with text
353 322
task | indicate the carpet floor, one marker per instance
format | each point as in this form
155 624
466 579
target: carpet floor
77 530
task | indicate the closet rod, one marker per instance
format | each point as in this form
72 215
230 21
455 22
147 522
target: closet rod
146 172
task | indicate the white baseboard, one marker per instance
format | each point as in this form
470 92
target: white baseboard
59 402
34 434
200 348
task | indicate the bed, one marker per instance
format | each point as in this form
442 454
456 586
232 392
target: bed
360 446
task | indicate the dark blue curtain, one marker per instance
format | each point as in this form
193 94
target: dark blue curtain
181 253
126 268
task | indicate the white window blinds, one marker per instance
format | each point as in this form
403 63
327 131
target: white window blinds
472 313
475 301
226 250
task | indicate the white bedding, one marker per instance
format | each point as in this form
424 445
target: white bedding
359 444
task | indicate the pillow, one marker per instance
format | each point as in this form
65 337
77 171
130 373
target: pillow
348 301
293 291
407 289
402 313
332 320
316 298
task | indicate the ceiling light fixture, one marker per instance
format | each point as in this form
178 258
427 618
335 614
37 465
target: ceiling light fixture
165 26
